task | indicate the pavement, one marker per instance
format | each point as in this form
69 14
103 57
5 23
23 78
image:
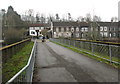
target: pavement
55 63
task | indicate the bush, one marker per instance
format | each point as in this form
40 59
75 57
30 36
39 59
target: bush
13 35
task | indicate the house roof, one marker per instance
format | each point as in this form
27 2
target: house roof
39 25
83 24
119 23
108 23
69 24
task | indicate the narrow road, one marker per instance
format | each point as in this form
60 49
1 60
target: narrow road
55 63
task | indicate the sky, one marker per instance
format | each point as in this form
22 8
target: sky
103 8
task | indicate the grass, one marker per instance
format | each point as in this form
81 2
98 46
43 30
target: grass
83 52
17 62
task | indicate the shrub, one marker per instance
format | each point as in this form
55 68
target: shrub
13 35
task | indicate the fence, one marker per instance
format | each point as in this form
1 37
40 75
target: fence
106 51
10 50
25 74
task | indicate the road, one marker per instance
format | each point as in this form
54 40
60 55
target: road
55 63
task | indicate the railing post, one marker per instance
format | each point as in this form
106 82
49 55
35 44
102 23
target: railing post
62 40
78 44
69 42
81 44
74 43
65 41
92 48
110 53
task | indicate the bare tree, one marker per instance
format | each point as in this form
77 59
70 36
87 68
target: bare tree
28 16
42 18
96 18
64 18
69 16
37 17
95 33
51 17
88 17
82 19
114 19
79 18
31 12
57 17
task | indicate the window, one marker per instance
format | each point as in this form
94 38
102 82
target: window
57 29
55 33
105 34
62 29
60 34
42 28
31 28
114 29
82 35
101 28
72 29
77 29
82 29
110 35
32 32
67 29
77 34
101 33
119 35
105 28
86 29
114 34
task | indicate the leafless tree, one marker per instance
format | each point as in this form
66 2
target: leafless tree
96 18
42 18
37 17
114 19
28 16
88 17
57 17
69 16
31 12
79 18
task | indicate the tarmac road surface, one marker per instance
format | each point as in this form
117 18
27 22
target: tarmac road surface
55 63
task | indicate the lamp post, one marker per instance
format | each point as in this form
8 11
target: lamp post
72 30
99 37
37 33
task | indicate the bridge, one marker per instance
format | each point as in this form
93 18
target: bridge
51 62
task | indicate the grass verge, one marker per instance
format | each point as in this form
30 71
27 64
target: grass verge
83 52
17 62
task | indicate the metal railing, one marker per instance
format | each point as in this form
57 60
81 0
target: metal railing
26 73
106 51
9 50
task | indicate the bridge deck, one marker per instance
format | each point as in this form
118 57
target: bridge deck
55 63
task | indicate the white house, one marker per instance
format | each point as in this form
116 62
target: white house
34 28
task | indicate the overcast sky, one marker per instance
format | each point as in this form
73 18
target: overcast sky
103 8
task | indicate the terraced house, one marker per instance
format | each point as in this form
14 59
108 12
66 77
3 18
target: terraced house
69 29
109 30
83 30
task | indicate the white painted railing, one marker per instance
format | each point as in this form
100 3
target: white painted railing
26 73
